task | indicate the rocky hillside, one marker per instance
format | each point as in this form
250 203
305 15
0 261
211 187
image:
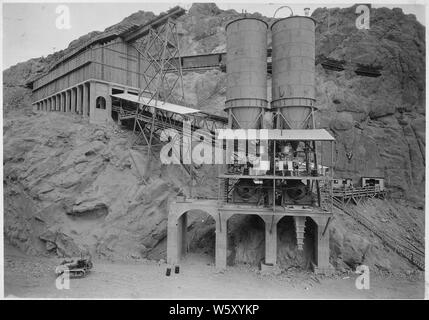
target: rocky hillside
379 121
70 186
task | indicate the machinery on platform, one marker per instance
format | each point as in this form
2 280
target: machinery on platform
275 162
376 183
292 175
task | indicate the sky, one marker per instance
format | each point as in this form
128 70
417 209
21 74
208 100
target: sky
30 29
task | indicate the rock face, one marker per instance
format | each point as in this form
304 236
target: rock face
72 187
379 122
79 188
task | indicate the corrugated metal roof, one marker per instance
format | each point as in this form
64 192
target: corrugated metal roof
118 30
276 134
301 134
166 106
104 36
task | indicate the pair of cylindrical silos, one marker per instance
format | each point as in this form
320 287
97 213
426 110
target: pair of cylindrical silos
293 72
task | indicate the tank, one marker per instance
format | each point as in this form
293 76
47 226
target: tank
246 67
293 70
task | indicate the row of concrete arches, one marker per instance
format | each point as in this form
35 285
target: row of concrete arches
315 229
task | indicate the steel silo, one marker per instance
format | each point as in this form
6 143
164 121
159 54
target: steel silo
246 67
293 70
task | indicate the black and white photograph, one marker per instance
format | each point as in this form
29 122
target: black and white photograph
213 151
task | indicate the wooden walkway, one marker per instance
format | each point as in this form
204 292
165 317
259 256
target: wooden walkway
356 195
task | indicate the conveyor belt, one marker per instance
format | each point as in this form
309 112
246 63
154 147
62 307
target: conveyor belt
203 62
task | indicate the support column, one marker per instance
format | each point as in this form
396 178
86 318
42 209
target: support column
68 101
92 98
60 107
85 107
182 226
271 238
322 245
58 104
51 106
64 109
173 242
300 231
79 99
221 242
63 102
73 100
109 103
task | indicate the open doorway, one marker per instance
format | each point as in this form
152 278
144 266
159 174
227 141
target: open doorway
246 239
198 246
288 254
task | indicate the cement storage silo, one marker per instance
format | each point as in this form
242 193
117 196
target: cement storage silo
293 70
246 67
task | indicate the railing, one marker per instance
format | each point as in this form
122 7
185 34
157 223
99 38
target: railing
357 191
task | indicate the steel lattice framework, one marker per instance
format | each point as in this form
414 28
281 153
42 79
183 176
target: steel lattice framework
159 48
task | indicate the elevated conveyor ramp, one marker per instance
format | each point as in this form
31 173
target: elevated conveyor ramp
162 105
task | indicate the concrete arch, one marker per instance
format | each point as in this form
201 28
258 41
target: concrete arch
299 230
247 225
176 208
177 225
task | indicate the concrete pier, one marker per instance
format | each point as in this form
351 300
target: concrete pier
177 227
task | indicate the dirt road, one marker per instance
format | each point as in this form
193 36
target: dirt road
30 277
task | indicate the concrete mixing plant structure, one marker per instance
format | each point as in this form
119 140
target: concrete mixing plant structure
126 59
120 73
295 179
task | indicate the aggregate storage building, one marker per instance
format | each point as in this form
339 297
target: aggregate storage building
111 63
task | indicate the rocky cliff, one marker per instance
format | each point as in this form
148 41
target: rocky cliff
70 186
379 121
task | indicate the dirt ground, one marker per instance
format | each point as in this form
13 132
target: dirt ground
33 277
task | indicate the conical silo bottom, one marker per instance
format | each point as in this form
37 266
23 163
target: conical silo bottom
296 117
247 118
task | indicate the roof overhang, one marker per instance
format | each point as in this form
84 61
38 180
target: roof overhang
275 134
159 104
